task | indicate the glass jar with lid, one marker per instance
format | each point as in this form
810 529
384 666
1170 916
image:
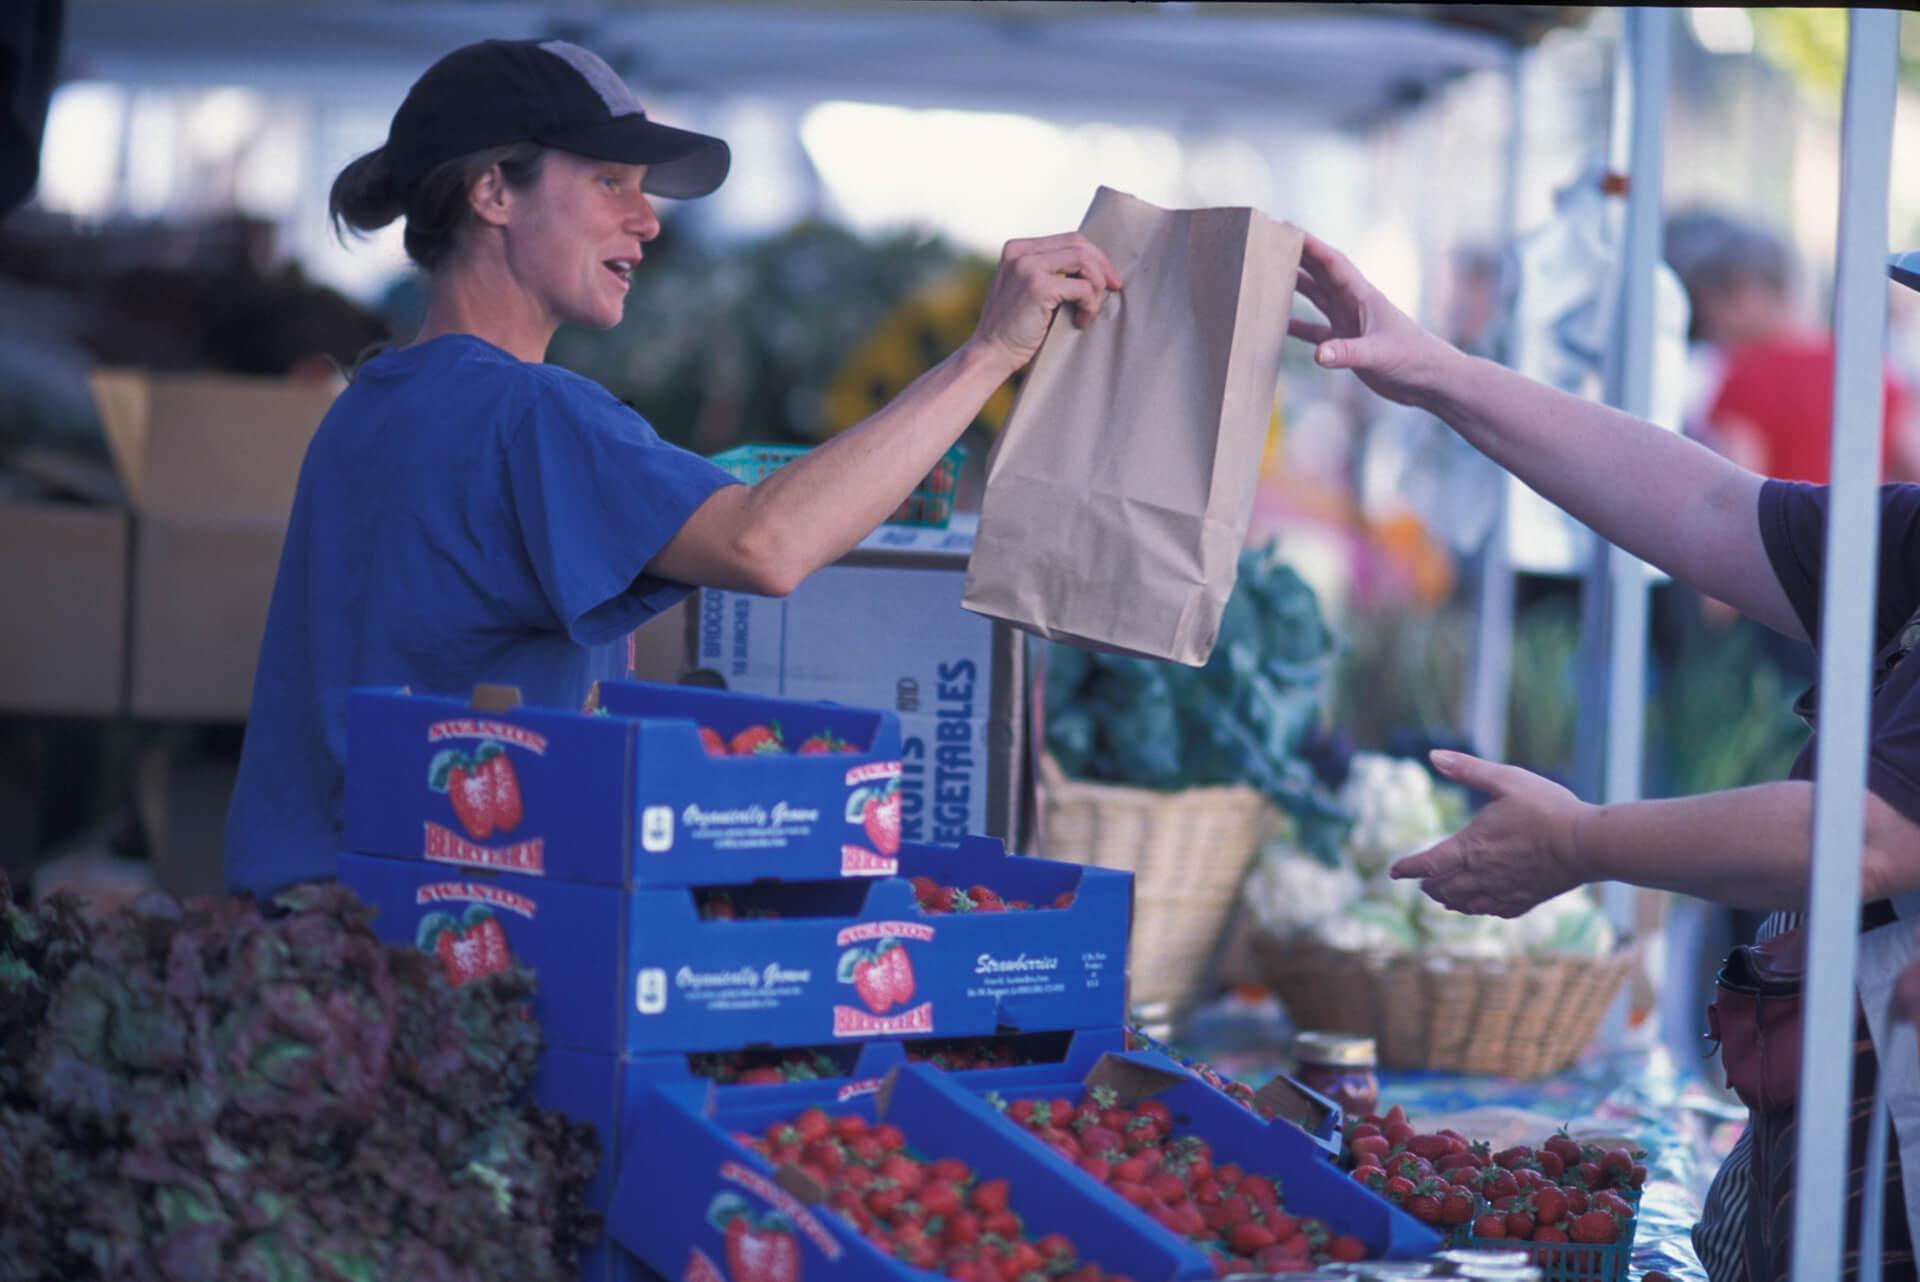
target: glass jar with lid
1340 1066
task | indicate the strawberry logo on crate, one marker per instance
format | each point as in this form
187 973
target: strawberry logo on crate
760 1248
881 975
469 948
482 787
876 964
874 804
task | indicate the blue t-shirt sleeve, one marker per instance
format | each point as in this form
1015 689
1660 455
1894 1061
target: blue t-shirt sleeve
597 495
1793 526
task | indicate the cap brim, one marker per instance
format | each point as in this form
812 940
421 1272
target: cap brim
681 164
1905 268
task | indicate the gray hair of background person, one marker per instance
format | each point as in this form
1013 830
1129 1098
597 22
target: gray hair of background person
1713 252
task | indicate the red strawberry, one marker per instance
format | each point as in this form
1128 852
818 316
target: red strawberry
989 1197
1431 1147
1549 1206
1063 900
758 740
1550 1164
1347 1248
1608 1200
1371 1146
873 980
1248 1238
504 785
881 819
899 972
1456 1208
1519 1224
713 741
1490 1225
825 741
1564 1145
472 798
986 899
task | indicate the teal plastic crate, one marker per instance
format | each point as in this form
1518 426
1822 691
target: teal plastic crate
928 507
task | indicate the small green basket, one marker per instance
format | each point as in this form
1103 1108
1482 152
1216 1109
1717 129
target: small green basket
929 506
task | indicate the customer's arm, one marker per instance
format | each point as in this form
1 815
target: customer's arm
1660 496
1745 847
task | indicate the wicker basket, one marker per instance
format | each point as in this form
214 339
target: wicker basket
1522 1018
1188 852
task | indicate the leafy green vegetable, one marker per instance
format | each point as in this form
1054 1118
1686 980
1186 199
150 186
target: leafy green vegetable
1239 719
210 1093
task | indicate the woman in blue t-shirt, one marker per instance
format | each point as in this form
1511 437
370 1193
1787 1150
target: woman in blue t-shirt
468 513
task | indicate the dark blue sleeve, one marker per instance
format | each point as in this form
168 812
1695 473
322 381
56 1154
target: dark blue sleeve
1793 525
597 495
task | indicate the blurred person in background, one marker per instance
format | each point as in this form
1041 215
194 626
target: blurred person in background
468 513
1765 388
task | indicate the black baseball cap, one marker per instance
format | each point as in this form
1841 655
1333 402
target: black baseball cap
550 92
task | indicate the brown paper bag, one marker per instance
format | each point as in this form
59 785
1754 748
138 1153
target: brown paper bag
1119 492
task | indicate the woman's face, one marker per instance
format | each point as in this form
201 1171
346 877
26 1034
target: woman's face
575 236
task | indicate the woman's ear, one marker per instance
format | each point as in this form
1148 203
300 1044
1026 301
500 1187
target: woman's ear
490 197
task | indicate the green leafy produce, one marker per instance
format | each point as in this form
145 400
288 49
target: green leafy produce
1239 719
212 1094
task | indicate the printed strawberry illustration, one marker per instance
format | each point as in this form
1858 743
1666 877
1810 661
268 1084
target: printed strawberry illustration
871 977
758 740
761 1249
877 810
503 785
825 741
713 741
468 787
471 948
893 955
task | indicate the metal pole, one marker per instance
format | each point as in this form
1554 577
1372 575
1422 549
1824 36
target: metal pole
1613 636
1847 600
1490 668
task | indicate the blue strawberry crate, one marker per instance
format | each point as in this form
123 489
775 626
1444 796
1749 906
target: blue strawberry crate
627 795
603 1091
930 506
857 961
645 971
1279 1149
709 1208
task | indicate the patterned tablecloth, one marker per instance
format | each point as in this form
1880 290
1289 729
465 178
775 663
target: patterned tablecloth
1665 1107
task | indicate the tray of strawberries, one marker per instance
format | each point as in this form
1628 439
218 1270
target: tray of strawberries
1571 1206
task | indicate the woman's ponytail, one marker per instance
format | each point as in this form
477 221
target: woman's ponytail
363 197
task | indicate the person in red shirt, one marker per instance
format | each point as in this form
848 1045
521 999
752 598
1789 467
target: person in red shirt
1771 405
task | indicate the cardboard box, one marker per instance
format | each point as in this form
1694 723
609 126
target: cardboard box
630 797
883 628
640 971
954 776
63 584
209 464
199 609
1311 1186
674 1214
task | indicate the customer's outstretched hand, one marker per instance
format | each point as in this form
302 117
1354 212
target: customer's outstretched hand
1364 332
